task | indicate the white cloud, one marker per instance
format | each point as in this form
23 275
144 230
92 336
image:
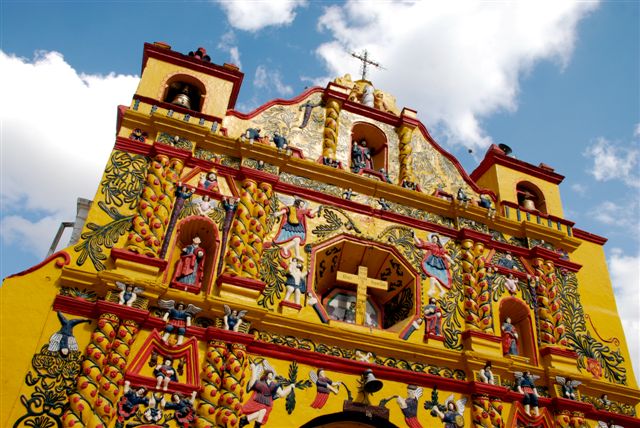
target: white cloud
455 62
256 15
34 237
581 189
228 44
625 277
614 162
57 132
621 215
271 80
636 131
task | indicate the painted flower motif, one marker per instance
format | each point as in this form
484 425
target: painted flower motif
594 367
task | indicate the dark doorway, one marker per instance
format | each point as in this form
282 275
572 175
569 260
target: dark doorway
348 420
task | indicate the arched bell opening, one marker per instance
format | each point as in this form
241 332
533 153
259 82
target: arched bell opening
530 197
338 264
515 312
185 91
375 142
189 271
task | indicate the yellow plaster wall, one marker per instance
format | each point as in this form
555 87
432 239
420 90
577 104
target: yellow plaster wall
598 300
156 73
27 321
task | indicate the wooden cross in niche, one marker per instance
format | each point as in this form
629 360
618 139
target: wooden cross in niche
363 282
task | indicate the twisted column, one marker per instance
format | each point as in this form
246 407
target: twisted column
82 402
249 230
406 149
552 330
330 133
486 412
154 208
212 374
477 291
233 383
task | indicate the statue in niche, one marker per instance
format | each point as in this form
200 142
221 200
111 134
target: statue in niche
324 386
435 263
350 313
525 384
209 181
409 406
361 156
432 319
486 374
509 338
233 319
293 227
295 282
63 340
264 390
165 373
128 293
177 319
190 267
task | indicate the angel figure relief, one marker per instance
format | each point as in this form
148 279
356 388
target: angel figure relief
435 264
177 318
264 388
233 318
452 416
525 384
324 386
292 233
409 405
569 387
128 293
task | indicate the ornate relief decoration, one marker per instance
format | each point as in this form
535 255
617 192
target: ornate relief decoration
308 183
85 294
99 237
351 354
594 355
336 220
603 403
472 224
53 379
175 141
124 179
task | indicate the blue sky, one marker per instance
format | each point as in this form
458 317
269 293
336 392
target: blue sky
559 82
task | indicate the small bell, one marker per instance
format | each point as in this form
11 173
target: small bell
371 384
182 98
528 204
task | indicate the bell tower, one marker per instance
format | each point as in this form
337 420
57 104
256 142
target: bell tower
520 185
188 84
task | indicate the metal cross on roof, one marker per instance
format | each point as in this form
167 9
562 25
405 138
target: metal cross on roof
364 57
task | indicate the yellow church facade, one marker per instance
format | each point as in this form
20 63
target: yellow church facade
318 262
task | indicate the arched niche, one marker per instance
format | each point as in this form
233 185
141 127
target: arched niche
392 309
376 142
521 319
205 229
530 197
185 91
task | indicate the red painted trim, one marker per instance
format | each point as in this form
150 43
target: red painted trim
131 146
121 112
123 312
290 305
560 403
277 101
118 253
214 333
495 156
59 263
618 419
552 350
486 388
229 74
75 306
251 284
474 235
179 109
590 237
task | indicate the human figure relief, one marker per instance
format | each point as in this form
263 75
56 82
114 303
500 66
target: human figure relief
63 340
185 414
264 390
177 318
435 263
209 181
293 227
409 406
165 373
295 281
569 387
525 384
128 293
432 319
232 318
361 156
190 267
453 415
486 375
324 386
509 338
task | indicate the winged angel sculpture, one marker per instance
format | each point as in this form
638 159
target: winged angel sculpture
453 413
177 318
